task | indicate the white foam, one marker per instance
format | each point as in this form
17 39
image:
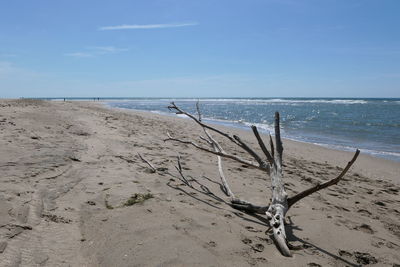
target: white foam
263 126
181 115
254 100
382 154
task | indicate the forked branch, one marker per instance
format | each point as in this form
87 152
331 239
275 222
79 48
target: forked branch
280 203
305 193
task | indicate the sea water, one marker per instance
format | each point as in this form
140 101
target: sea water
372 125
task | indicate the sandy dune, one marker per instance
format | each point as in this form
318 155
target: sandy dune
70 178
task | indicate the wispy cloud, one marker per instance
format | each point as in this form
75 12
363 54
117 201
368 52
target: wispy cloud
79 54
107 49
146 26
93 51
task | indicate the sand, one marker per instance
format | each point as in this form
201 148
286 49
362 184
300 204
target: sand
70 180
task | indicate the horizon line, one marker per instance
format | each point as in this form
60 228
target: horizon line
194 97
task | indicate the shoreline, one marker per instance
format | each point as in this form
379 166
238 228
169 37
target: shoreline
388 155
380 164
70 177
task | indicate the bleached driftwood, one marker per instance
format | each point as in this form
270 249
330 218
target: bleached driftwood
272 165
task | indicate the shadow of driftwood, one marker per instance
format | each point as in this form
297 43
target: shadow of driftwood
259 219
305 244
195 185
189 184
221 186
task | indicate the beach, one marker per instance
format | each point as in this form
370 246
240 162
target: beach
74 192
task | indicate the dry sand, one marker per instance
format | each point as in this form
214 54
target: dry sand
68 168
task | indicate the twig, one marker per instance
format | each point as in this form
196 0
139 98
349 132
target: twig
148 163
180 170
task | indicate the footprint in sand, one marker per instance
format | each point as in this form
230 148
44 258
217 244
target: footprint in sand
365 228
361 257
364 212
247 241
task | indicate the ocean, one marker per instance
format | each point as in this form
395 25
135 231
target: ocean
372 125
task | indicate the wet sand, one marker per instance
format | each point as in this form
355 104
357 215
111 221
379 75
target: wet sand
71 184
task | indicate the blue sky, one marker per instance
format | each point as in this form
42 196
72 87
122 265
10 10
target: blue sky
216 48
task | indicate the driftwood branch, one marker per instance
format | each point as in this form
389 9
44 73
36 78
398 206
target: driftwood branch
198 109
278 141
305 193
277 210
248 207
218 148
218 153
235 139
280 202
180 111
262 145
235 202
271 144
259 160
